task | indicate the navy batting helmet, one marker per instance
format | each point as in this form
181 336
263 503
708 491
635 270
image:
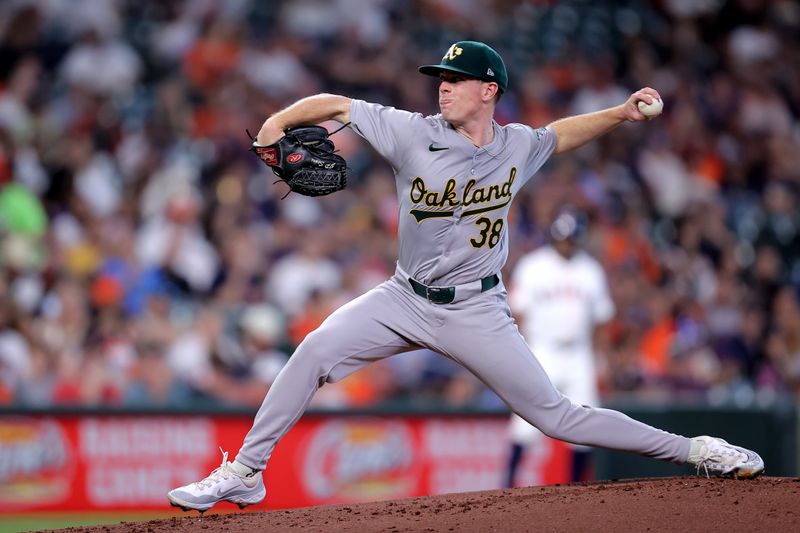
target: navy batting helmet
570 224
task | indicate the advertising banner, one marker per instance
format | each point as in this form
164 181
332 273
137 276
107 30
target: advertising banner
129 462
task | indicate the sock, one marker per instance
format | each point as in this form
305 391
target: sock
243 470
513 463
581 461
696 450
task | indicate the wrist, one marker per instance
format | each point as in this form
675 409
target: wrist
619 114
269 133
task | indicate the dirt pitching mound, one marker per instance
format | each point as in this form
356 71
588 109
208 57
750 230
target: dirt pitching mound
683 504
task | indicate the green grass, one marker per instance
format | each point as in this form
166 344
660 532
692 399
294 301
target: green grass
15 523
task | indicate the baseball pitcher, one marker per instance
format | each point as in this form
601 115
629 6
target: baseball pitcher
456 174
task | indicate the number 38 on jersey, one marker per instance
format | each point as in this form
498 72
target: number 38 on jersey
489 232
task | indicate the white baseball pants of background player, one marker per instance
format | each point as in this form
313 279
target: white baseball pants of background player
572 371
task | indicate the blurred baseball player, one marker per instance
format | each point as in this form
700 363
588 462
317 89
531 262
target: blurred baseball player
559 293
456 173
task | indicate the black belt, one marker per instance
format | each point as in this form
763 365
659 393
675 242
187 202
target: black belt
445 295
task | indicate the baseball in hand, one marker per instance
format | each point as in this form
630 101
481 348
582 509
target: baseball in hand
651 110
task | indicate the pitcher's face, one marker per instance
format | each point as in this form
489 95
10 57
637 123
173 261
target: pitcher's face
460 96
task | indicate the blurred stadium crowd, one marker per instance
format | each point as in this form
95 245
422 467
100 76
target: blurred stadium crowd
146 258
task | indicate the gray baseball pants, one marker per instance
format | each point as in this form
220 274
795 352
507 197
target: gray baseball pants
477 331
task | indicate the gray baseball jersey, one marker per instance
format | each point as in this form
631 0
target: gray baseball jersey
454 201
454 197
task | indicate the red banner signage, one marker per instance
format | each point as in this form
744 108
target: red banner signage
130 462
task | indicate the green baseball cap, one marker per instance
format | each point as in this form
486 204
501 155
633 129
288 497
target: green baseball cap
474 59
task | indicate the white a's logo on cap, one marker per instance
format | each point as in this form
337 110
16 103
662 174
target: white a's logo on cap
452 53
489 72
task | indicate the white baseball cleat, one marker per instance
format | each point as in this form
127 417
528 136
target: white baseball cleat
717 457
223 484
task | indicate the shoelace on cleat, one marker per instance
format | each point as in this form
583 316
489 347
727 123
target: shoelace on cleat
220 473
716 457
